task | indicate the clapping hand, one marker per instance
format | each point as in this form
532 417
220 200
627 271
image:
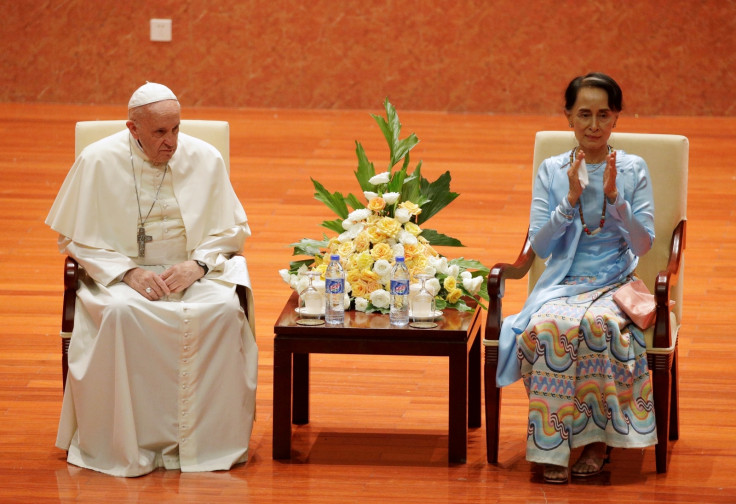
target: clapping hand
609 178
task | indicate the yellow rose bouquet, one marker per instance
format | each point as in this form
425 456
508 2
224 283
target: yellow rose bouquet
388 222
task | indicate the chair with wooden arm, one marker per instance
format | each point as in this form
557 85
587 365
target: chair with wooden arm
216 133
661 269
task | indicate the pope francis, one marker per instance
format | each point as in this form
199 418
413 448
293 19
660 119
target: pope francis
162 361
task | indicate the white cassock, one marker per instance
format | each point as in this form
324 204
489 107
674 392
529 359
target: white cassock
168 383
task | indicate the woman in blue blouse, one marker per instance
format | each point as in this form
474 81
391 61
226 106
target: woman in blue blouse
582 361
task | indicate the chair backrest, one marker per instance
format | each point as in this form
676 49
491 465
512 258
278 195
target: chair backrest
667 159
216 133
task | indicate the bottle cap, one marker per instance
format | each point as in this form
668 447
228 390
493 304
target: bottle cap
399 258
335 257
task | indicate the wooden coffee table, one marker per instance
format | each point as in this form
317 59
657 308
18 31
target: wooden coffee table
456 337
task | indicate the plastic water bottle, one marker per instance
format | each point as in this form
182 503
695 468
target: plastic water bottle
335 291
399 293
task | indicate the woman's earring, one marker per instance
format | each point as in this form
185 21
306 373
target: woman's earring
571 125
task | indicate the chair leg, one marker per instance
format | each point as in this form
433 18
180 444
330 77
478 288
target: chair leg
662 376
675 399
492 403
64 361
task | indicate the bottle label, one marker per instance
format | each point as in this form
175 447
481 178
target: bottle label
334 285
400 287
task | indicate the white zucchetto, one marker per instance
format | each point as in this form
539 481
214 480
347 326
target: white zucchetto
148 93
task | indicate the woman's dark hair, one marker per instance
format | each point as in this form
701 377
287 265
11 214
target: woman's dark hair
597 80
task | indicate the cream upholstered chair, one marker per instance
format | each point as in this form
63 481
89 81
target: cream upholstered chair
661 269
216 133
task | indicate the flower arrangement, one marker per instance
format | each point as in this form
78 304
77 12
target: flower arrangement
389 224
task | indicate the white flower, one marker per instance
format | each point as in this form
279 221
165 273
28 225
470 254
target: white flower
380 298
351 231
430 270
361 304
402 215
382 267
439 263
381 178
466 274
385 280
357 229
285 276
453 270
391 197
300 283
346 301
397 249
344 237
406 237
472 285
433 286
369 195
360 214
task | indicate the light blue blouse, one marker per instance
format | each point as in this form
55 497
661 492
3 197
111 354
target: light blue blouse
556 234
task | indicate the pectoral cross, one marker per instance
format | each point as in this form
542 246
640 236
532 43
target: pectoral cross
142 239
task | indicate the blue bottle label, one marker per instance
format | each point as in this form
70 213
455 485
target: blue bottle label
400 287
334 285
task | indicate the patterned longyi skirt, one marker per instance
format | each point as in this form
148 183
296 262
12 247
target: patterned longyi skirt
584 367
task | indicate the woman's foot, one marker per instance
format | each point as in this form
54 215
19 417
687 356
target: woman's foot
591 461
555 473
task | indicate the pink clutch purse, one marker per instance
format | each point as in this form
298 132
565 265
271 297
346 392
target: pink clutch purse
637 302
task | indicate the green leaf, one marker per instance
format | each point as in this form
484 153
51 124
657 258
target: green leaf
397 181
411 190
438 196
365 169
460 306
391 128
354 202
403 147
405 166
334 225
435 238
309 247
334 201
483 292
373 309
470 264
295 265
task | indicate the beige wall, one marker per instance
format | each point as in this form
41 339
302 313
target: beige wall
672 57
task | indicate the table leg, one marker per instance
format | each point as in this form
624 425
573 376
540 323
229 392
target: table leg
474 383
281 401
300 393
458 407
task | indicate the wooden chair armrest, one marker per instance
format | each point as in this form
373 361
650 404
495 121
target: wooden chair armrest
242 293
71 281
665 280
497 283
